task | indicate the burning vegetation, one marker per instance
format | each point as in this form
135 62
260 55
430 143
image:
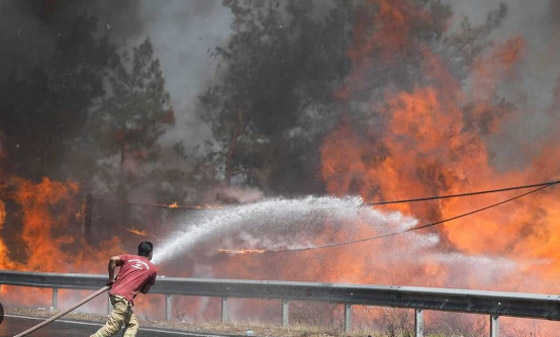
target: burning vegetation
377 99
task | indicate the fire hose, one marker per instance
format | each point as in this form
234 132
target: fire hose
62 313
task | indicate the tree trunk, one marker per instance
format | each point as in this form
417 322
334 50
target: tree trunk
237 130
122 192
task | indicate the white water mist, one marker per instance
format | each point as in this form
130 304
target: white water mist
278 224
288 215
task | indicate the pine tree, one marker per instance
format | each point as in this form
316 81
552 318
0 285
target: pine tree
129 122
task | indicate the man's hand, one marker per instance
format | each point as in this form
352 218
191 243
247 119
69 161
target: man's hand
114 261
109 284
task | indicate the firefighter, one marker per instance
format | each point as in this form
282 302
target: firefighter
136 274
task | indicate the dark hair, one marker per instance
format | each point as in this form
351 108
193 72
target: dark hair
145 248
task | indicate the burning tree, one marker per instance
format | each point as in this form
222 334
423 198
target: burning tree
406 113
129 122
272 92
377 98
45 105
67 112
287 75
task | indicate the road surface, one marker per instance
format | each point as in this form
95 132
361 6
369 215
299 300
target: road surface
12 325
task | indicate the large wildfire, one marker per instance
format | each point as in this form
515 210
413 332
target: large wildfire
433 143
429 139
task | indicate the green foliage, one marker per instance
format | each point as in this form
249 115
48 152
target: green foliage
288 76
276 76
44 109
81 110
127 125
469 41
136 111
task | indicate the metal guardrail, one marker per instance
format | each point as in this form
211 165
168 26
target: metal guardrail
491 303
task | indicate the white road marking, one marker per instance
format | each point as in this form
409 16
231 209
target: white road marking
101 324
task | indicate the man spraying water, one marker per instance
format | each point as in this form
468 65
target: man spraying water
136 274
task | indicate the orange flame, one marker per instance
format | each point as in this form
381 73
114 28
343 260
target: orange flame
137 231
430 141
50 237
242 251
432 144
489 71
5 262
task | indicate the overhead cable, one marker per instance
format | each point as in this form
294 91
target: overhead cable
402 201
171 206
382 236
374 203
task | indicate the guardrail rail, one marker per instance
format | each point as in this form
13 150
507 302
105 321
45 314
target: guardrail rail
492 303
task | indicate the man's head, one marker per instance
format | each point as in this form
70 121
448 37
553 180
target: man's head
146 249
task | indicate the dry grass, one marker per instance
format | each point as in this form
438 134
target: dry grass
230 328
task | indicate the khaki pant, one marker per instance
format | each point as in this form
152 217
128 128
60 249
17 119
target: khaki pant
121 314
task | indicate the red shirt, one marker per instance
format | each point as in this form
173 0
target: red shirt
136 272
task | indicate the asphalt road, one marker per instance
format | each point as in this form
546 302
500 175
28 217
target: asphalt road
12 325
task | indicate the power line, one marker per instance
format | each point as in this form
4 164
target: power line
402 201
172 206
375 203
382 236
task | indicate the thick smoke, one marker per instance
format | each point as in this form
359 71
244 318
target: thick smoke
532 85
31 28
277 225
184 33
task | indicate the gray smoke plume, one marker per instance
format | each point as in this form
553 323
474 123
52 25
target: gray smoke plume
31 28
183 34
533 81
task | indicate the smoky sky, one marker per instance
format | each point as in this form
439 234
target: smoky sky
184 32
533 81
29 29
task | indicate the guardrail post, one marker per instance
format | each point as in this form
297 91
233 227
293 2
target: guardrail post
347 317
168 307
418 323
285 313
55 298
491 304
224 309
494 326
87 218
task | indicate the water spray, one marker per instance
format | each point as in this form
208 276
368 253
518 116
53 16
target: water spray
286 215
296 210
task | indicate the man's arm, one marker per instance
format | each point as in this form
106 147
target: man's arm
151 281
145 288
114 261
